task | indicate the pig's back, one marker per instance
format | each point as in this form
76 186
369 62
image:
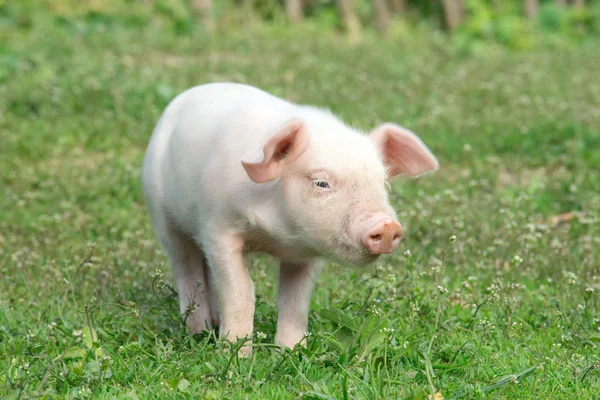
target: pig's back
199 142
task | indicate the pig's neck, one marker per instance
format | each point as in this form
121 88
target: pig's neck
270 230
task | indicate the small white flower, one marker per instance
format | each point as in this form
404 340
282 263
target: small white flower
158 274
373 310
486 324
571 277
452 238
261 335
573 188
407 253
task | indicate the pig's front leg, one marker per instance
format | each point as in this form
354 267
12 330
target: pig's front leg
234 287
296 283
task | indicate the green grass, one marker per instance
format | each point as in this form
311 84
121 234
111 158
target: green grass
509 309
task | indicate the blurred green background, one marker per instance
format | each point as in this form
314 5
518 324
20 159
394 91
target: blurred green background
516 24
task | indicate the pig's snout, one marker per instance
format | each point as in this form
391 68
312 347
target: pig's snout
383 235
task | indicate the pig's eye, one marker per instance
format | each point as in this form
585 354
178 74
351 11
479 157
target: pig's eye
321 183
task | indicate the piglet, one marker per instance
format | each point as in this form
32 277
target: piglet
231 169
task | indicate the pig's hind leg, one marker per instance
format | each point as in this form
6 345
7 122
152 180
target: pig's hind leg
193 280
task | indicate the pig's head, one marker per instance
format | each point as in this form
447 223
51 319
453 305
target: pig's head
332 184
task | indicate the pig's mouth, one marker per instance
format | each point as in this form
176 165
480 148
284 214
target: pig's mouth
367 258
349 254
357 260
343 248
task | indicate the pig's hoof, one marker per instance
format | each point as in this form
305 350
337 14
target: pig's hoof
243 352
290 342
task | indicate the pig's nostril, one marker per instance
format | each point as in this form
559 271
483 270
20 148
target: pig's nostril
376 238
397 236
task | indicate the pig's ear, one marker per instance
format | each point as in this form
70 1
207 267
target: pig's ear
266 162
403 152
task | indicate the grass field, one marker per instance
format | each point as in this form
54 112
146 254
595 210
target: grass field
488 297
